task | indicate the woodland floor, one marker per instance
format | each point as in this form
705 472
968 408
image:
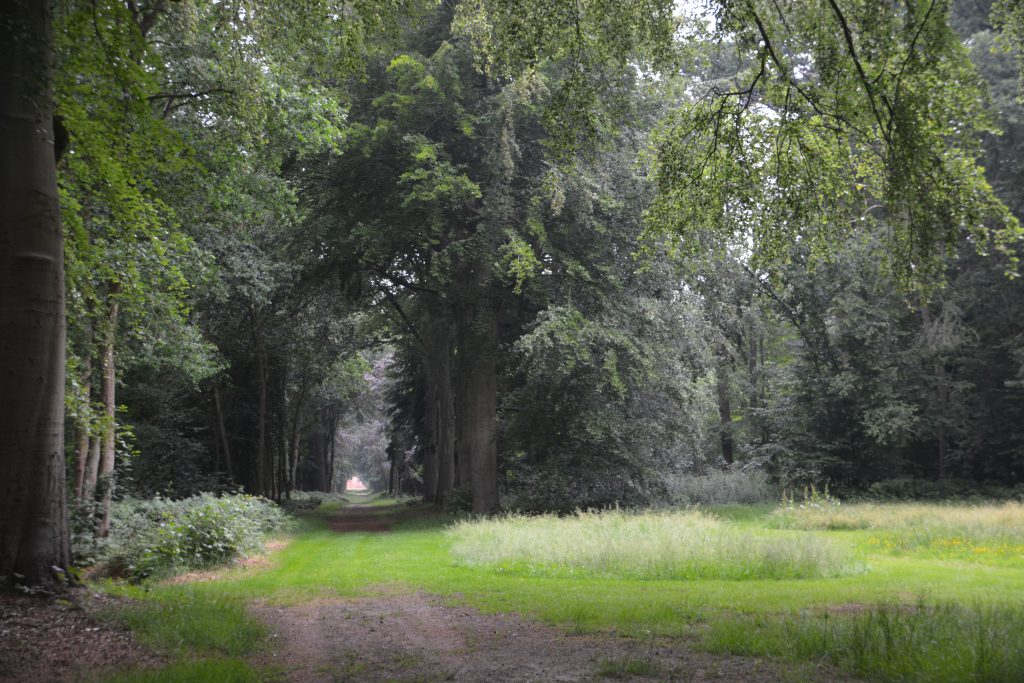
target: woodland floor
393 636
46 639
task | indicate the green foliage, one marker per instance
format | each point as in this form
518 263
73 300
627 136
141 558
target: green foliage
156 537
876 132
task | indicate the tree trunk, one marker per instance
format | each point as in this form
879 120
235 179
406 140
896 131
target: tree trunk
334 448
108 377
440 375
724 413
33 513
223 432
262 472
430 446
82 442
92 467
478 407
463 467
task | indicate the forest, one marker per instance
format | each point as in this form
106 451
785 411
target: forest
695 327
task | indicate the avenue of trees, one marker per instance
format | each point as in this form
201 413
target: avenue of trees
491 253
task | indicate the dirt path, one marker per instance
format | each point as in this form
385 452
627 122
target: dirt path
418 638
364 518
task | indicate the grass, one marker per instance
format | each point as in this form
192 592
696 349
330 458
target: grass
890 642
986 534
664 545
628 667
220 670
878 622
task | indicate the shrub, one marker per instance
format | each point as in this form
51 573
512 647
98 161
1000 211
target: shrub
909 488
651 545
720 488
157 537
309 500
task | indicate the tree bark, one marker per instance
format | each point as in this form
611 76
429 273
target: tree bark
262 472
223 432
108 377
724 413
82 441
34 537
92 466
463 467
478 407
430 446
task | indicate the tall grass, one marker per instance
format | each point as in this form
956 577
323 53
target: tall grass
662 545
893 643
975 532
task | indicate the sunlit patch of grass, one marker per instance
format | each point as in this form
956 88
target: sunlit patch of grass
974 533
652 545
890 642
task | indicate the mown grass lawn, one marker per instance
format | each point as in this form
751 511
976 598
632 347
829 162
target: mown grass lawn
901 611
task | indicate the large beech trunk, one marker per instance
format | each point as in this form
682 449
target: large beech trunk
478 404
33 514
429 447
444 423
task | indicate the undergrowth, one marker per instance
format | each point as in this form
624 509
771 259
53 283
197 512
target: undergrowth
157 537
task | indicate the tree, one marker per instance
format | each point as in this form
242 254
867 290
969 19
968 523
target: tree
34 546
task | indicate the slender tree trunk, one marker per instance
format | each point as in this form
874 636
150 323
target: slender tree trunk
941 399
334 449
92 468
33 512
724 413
82 441
108 377
446 442
463 467
223 432
263 474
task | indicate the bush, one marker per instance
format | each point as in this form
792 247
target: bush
156 537
720 488
309 500
909 488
